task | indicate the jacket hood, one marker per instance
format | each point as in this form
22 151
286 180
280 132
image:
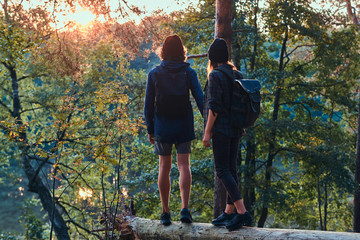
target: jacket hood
173 66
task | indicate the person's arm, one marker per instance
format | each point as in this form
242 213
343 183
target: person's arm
209 124
196 90
215 107
149 108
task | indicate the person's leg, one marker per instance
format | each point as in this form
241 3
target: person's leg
164 181
183 162
225 157
222 150
242 217
238 203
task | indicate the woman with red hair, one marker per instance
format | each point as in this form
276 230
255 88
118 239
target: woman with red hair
170 121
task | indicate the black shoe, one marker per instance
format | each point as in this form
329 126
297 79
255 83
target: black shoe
223 219
165 219
239 220
185 216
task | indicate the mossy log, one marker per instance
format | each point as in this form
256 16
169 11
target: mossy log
147 229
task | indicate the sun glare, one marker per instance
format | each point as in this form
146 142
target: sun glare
85 193
82 17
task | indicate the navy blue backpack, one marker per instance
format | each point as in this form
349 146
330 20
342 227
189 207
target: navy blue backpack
172 98
245 101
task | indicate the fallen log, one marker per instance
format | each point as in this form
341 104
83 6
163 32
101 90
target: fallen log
147 229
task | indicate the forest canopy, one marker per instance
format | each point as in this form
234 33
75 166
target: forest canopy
72 130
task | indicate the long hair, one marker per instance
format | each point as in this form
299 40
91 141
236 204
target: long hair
173 49
212 65
181 58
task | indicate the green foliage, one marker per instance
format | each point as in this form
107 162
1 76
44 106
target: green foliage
82 103
314 151
76 117
9 236
34 227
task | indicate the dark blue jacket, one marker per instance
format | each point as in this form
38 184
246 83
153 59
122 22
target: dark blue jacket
172 130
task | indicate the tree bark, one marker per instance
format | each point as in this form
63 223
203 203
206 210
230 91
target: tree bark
152 229
325 207
356 219
249 184
250 161
319 203
223 21
222 30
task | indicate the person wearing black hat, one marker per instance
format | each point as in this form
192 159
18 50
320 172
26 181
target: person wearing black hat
225 138
170 121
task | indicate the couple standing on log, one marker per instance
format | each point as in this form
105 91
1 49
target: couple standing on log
169 118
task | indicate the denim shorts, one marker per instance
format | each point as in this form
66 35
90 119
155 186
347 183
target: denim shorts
165 149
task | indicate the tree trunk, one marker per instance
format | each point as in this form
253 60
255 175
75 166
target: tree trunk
250 161
249 184
35 183
356 218
254 54
271 153
325 206
223 21
319 203
153 230
222 30
356 223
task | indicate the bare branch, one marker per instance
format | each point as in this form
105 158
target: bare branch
197 55
77 225
306 45
31 109
24 77
298 103
246 30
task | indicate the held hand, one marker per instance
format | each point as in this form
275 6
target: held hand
151 138
206 139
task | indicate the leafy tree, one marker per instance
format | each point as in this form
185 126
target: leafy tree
66 117
33 225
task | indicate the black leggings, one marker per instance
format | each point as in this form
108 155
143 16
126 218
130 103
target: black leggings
225 150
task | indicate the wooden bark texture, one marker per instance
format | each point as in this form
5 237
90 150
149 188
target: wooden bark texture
147 229
222 30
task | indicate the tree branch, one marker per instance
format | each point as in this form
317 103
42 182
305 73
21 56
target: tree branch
197 55
299 46
245 30
24 77
299 103
77 225
31 109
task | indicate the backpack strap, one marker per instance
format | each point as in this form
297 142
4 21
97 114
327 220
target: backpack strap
230 78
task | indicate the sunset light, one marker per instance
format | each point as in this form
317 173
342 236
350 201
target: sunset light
115 116
85 193
81 16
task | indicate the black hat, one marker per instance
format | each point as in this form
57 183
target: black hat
218 51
